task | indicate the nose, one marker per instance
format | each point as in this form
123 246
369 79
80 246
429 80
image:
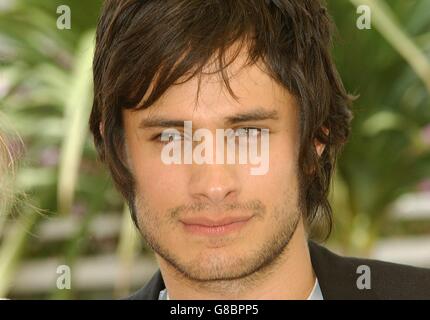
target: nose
214 183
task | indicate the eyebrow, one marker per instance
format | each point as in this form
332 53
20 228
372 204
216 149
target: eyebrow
259 114
160 123
254 115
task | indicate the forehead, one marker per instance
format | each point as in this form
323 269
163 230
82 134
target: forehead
254 88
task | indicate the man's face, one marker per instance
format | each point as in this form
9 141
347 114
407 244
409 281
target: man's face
177 203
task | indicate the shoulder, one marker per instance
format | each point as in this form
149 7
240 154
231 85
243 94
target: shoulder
340 276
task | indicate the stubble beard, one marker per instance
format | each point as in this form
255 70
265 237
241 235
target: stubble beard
222 274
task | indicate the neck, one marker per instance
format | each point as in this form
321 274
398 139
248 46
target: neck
290 277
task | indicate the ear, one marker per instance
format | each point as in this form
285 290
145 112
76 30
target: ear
320 146
101 129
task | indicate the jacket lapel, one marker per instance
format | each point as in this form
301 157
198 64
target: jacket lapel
337 276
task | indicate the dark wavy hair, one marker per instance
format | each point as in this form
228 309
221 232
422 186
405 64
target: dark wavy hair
143 47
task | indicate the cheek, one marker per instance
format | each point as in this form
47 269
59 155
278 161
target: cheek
283 162
282 175
159 184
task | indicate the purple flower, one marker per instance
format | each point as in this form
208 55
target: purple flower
49 157
425 135
424 185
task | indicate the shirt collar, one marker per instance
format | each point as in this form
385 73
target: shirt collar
315 294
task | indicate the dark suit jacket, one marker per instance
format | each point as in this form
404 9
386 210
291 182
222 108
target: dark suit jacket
337 277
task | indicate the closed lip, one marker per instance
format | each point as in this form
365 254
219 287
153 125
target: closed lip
207 222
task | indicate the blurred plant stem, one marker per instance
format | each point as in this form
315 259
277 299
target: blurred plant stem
78 107
13 247
73 251
384 21
128 248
